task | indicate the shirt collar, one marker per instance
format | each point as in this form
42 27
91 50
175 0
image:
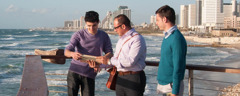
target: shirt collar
170 31
128 33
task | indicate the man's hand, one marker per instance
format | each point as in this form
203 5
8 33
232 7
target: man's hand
76 55
94 65
102 60
97 70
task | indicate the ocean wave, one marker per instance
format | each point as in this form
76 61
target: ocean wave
43 47
9 71
36 35
18 53
153 44
16 79
150 89
102 73
9 38
24 36
60 35
9 45
58 44
222 52
153 59
16 46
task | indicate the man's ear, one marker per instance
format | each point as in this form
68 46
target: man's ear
123 26
165 20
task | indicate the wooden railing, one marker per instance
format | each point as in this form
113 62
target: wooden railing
25 90
191 68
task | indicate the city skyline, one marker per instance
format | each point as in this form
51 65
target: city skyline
31 14
207 15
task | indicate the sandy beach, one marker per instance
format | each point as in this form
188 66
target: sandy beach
232 61
233 42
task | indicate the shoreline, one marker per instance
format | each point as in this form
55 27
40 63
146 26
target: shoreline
232 42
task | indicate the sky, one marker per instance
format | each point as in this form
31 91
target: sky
25 14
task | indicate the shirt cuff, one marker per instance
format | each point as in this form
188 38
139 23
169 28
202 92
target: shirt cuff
109 62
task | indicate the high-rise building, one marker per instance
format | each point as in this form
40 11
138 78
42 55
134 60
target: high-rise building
82 22
107 21
231 14
234 13
126 12
122 7
191 16
177 19
68 24
153 19
238 9
184 16
212 14
198 12
122 10
76 24
234 7
227 9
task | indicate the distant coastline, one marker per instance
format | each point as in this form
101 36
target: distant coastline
232 42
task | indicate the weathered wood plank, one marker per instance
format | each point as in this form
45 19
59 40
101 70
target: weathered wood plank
56 52
203 67
212 45
33 79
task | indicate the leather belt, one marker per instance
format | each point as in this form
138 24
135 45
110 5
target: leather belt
128 72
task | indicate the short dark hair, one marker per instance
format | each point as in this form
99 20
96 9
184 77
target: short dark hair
123 19
168 12
91 16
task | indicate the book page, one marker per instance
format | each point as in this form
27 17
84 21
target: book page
85 58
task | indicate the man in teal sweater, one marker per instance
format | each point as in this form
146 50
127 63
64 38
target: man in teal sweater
172 63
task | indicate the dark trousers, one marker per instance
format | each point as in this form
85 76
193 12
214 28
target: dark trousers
76 81
131 85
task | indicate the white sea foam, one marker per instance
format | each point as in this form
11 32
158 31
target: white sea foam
16 43
152 59
9 45
12 80
103 72
19 52
147 90
36 35
42 47
59 35
24 36
9 38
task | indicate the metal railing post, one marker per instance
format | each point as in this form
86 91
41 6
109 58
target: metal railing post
190 82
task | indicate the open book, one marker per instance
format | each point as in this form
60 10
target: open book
85 58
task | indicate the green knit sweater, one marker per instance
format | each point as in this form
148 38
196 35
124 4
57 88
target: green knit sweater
173 61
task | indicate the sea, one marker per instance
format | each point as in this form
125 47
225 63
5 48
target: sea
15 44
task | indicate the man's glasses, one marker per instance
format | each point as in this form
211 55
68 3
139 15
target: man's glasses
118 26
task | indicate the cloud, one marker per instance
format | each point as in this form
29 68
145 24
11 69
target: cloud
11 8
40 11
